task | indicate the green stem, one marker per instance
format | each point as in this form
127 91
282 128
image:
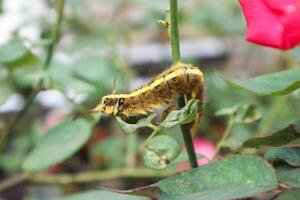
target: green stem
55 33
188 141
174 32
175 45
224 137
273 113
30 99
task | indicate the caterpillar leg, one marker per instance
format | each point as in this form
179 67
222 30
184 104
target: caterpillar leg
165 113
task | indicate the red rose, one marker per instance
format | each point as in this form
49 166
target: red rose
274 23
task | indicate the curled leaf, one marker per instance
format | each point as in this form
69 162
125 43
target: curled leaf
160 151
290 155
131 128
183 116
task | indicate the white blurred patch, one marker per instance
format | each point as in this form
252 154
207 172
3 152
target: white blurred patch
23 16
14 103
52 99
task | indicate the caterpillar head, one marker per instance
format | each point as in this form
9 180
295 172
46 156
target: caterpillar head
110 104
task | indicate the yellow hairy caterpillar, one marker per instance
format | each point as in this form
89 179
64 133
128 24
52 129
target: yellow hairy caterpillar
180 79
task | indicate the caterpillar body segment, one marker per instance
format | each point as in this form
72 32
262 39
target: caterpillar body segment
180 79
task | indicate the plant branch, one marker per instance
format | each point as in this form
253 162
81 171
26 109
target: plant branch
12 181
35 91
85 177
224 137
1 7
175 45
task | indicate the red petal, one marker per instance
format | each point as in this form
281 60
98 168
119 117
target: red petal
264 27
291 24
280 5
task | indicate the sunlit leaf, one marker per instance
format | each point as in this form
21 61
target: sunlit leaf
183 116
58 144
279 83
278 138
131 128
290 155
160 151
288 175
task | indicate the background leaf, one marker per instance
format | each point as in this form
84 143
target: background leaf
278 138
58 144
279 83
288 175
12 50
243 113
289 195
290 155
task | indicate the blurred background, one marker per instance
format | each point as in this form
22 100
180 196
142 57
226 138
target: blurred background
103 40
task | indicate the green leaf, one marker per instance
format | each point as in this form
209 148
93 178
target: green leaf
131 128
12 50
15 54
290 155
27 60
61 77
278 83
98 194
58 144
183 116
160 151
98 72
230 178
278 138
289 195
288 175
243 113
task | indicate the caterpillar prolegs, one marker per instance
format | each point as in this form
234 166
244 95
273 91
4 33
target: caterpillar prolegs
180 79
